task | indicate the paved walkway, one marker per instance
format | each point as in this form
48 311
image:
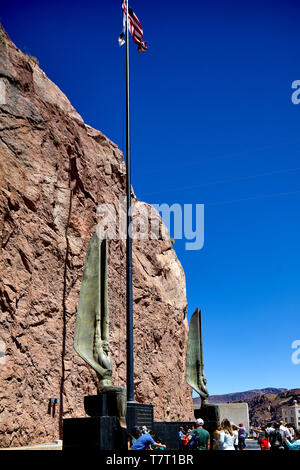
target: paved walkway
251 444
51 446
57 445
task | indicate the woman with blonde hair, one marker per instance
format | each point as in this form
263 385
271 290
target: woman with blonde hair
226 437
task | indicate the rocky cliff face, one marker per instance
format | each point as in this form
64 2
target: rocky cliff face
54 172
267 408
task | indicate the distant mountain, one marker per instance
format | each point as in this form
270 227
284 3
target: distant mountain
241 396
264 404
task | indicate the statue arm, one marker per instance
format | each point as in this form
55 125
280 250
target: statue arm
105 360
203 391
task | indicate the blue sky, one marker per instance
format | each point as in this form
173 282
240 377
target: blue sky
212 123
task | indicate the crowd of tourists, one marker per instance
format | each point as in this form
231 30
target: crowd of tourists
226 436
276 436
229 436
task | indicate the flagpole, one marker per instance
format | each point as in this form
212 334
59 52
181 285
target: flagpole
129 296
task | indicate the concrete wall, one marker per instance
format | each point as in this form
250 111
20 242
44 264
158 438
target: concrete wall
235 412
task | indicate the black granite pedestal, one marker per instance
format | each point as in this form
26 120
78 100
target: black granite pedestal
211 417
101 430
94 433
104 404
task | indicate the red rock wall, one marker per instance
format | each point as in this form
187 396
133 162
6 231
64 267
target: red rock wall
50 190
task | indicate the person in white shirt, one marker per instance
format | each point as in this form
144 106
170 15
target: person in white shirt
270 429
286 432
291 431
227 437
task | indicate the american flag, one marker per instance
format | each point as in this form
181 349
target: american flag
135 28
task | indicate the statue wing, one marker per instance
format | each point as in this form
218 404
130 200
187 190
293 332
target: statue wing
194 357
89 305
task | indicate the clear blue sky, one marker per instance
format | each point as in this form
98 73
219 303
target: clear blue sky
211 103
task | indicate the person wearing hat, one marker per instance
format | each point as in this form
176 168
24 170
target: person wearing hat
200 437
133 436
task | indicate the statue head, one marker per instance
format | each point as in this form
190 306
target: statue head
105 346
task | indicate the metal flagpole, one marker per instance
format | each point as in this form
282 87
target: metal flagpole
129 297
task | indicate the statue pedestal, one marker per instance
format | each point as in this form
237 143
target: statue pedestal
211 416
104 404
97 433
101 430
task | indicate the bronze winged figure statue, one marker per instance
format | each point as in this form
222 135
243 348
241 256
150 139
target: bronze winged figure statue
194 359
91 338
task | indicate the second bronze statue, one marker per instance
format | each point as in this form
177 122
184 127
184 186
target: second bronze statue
194 360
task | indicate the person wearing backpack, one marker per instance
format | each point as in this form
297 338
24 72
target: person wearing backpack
200 437
277 438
